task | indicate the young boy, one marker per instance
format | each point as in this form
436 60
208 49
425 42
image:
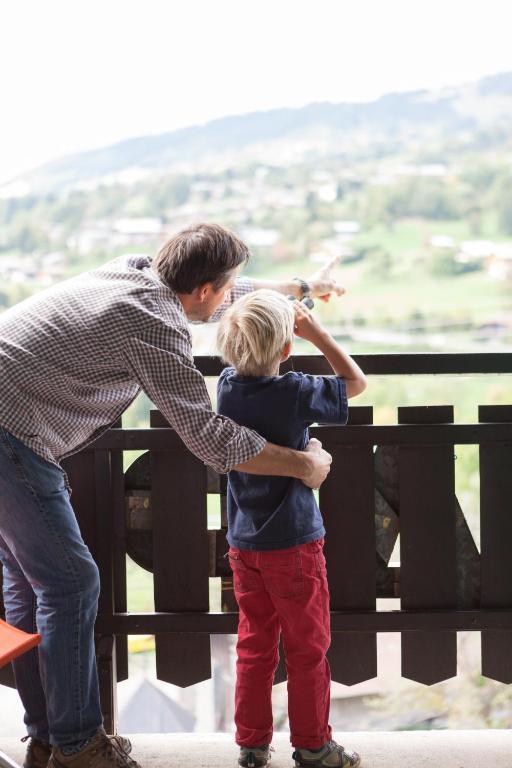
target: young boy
275 528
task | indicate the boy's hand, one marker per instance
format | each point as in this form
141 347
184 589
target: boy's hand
306 325
320 464
323 284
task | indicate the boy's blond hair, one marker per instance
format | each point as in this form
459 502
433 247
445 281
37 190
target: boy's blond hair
254 331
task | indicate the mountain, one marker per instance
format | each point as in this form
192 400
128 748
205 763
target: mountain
467 109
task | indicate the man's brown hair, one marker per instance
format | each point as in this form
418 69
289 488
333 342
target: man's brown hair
199 254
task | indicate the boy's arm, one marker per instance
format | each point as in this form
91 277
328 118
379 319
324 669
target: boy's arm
307 327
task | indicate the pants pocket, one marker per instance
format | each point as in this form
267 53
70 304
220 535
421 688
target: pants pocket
283 575
245 579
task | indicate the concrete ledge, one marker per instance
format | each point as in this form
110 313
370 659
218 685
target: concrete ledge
400 749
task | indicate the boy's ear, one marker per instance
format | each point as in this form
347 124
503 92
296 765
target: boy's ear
286 351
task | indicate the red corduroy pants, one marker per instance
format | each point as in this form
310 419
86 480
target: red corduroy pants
282 592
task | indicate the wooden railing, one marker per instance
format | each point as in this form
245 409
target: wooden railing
385 480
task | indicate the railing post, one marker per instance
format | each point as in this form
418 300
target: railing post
347 503
90 479
496 542
6 672
180 558
428 567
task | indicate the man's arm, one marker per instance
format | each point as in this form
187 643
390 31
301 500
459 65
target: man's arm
161 362
321 284
311 466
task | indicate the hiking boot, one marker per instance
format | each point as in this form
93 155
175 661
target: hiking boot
101 751
121 741
38 752
254 757
332 755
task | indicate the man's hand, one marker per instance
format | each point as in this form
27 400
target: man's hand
323 284
320 464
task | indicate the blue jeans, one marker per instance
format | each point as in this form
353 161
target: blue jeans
51 585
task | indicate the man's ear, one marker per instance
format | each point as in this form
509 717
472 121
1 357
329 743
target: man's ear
203 291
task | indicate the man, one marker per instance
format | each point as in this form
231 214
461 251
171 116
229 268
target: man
72 359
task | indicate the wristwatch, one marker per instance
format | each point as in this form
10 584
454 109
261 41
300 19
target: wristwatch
304 287
306 292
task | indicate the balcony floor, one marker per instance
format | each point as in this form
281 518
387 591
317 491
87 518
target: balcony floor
413 749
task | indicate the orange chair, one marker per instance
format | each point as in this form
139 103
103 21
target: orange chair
13 642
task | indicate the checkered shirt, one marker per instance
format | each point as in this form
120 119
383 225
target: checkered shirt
73 358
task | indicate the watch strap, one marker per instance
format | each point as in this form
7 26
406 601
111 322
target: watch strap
303 285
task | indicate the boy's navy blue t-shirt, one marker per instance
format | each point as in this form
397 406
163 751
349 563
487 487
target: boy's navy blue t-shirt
265 512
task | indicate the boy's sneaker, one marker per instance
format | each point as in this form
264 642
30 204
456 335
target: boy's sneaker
332 755
101 751
254 757
38 752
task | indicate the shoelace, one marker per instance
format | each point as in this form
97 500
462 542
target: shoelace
112 751
342 752
251 757
328 749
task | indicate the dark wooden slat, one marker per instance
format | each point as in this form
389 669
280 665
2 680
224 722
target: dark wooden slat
80 469
390 364
107 671
228 598
105 652
89 475
104 528
119 557
428 576
180 557
280 674
496 538
393 434
6 672
348 508
411 622
7 676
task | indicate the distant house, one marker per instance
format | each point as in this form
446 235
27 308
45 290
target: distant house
327 193
499 265
258 236
442 241
138 226
90 237
18 269
347 228
475 251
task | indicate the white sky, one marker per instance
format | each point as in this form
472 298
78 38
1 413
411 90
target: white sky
78 74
